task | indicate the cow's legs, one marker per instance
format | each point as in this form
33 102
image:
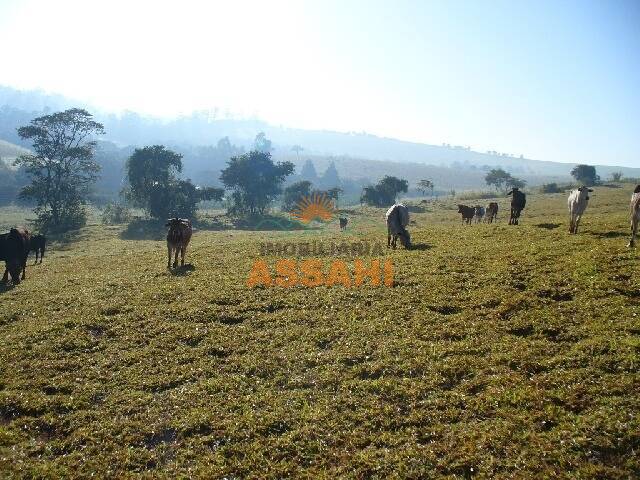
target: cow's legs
5 277
169 253
175 261
183 251
575 228
388 240
24 266
634 231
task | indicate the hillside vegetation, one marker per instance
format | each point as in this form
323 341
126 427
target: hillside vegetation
500 352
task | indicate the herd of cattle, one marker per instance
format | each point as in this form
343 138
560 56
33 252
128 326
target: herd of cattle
16 245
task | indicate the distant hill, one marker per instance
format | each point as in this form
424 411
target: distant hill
357 155
10 151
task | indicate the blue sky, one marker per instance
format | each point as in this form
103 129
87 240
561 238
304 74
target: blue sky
549 80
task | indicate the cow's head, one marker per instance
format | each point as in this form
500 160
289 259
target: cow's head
172 222
586 190
405 238
461 208
637 189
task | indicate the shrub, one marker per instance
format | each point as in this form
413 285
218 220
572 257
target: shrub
74 218
550 188
115 213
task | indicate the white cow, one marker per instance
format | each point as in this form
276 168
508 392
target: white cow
397 220
635 215
578 200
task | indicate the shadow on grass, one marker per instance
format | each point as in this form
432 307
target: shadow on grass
610 234
62 241
6 287
144 229
182 270
548 226
421 246
269 222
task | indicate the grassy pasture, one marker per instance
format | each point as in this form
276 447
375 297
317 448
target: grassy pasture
501 352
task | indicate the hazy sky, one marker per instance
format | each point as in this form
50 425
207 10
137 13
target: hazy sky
553 80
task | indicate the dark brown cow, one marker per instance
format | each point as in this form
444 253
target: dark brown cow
343 223
518 203
492 212
178 238
467 213
14 250
38 244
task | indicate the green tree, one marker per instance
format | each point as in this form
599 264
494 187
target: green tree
385 192
330 178
424 185
514 182
297 149
154 185
498 178
255 180
585 174
262 143
62 167
294 193
308 172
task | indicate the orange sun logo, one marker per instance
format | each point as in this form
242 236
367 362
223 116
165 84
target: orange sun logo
317 206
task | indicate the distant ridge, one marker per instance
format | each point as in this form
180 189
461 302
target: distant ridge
203 128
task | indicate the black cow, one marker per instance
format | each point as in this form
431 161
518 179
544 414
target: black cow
467 213
14 250
518 202
38 244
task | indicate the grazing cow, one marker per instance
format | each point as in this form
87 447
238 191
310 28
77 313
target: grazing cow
577 201
397 220
343 223
518 202
14 250
635 215
492 212
467 213
38 243
480 211
178 238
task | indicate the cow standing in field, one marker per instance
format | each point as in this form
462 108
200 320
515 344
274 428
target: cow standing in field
635 215
479 213
343 223
397 218
38 244
178 238
577 201
14 250
518 202
492 212
467 213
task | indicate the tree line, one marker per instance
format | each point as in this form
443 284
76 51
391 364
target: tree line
62 168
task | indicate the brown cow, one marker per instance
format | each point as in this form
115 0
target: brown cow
38 245
14 250
178 238
492 212
467 213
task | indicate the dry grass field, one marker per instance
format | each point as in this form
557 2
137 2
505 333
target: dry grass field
500 352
